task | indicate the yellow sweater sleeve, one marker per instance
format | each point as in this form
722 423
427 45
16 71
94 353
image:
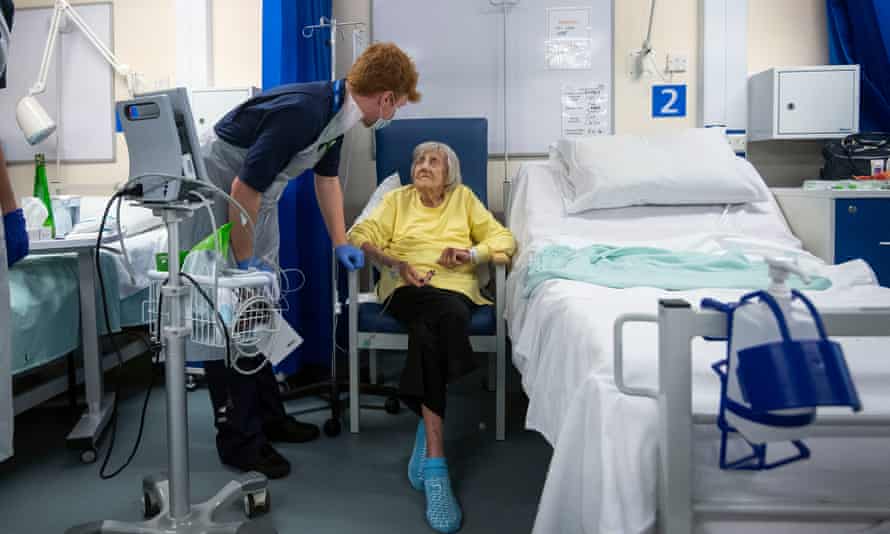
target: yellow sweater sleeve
487 233
377 229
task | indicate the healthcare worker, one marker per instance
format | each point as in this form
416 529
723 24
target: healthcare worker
14 230
252 153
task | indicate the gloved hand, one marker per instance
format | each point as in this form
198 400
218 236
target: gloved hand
350 257
254 263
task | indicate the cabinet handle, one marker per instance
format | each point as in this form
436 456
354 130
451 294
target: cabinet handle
884 243
852 210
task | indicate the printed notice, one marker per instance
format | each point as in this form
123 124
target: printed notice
569 42
585 110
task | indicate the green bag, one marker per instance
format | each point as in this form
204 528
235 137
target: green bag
209 242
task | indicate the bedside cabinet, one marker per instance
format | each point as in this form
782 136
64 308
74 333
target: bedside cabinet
839 226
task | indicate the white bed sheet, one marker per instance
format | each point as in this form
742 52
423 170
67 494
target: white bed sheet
603 474
144 234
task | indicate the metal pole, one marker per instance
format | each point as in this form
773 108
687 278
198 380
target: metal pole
177 414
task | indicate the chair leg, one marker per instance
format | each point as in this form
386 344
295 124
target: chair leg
354 400
491 376
372 365
501 391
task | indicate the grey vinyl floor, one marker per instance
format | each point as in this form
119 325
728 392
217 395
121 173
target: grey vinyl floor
350 483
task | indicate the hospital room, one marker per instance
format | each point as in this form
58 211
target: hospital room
376 266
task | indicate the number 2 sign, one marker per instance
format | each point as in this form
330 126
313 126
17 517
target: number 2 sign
668 101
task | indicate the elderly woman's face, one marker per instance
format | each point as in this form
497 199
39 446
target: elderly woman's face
430 169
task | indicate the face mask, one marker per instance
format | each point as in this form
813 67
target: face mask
381 123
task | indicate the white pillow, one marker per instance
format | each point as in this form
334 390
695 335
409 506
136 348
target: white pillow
391 183
135 219
694 166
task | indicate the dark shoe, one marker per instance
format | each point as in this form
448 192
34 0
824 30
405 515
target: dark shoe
269 462
290 430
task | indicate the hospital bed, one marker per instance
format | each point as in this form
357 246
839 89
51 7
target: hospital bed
48 318
604 474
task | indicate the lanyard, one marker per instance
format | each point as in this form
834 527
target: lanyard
338 95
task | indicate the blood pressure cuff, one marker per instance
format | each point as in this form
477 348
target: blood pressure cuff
7 9
16 236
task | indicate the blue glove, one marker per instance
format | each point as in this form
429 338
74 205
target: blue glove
350 257
254 263
16 236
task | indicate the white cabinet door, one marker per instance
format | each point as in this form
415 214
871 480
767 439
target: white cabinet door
816 102
209 106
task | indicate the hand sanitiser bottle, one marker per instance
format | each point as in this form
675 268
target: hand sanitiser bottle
780 367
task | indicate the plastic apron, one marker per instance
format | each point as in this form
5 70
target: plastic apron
224 162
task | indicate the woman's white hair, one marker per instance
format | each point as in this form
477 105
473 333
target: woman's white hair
452 179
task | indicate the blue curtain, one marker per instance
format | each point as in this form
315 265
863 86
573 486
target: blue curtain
288 57
859 33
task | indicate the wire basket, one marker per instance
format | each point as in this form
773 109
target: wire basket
245 302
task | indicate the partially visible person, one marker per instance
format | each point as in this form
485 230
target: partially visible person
428 238
14 230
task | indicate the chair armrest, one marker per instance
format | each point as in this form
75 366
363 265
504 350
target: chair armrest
499 258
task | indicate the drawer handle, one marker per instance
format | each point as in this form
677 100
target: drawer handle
884 243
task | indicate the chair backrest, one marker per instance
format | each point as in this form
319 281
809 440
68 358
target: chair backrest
467 137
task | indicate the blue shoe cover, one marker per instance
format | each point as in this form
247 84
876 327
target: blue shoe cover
443 512
415 465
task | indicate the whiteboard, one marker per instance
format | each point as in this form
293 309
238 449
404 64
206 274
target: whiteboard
78 75
458 46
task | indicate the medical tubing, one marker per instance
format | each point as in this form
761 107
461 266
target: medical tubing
217 315
217 244
111 335
235 320
216 189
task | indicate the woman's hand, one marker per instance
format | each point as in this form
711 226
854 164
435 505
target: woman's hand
411 276
453 257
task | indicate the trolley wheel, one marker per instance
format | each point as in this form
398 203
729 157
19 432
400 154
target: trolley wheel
150 506
332 428
191 383
392 405
89 455
257 503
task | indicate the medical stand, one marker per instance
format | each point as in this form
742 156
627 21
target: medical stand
166 496
332 427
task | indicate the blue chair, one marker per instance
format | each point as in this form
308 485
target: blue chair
368 328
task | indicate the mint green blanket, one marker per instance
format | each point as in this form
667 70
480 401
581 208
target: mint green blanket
623 267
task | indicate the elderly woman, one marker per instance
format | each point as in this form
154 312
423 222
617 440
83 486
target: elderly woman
427 238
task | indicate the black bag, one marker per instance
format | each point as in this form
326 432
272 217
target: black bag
852 155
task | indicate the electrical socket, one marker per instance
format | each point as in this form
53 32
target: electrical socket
677 63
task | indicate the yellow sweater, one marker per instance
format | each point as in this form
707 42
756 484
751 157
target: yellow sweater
403 228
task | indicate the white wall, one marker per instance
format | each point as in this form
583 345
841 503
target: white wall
150 48
780 32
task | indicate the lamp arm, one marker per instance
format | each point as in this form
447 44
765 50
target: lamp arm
62 8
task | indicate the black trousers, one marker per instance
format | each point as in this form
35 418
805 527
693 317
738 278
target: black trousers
439 350
242 405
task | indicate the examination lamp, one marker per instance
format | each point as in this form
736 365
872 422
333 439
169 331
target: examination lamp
33 120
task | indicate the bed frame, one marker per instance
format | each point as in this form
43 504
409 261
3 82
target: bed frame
25 400
678 323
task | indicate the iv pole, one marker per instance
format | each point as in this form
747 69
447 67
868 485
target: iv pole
332 426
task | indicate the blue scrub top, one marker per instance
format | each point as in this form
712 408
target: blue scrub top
277 124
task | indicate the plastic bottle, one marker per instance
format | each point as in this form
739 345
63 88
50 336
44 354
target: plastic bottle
41 191
755 324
